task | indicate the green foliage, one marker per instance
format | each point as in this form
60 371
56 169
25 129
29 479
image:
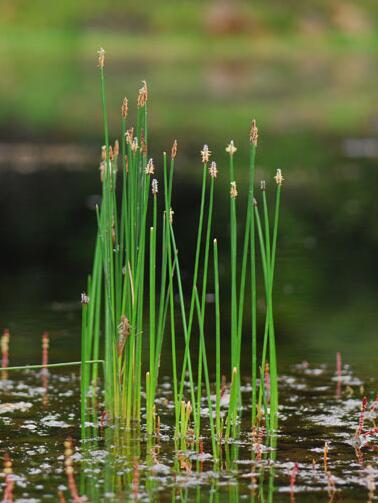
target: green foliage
127 250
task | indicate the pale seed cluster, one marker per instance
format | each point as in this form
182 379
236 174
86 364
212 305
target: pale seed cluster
205 154
101 58
279 178
213 171
84 298
231 149
150 168
134 145
154 186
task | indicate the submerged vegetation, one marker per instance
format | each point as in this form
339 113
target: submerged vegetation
135 241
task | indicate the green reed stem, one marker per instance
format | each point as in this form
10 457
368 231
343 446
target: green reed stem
272 347
217 342
195 275
233 244
252 155
207 380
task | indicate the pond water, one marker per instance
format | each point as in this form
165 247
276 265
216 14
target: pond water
325 302
314 457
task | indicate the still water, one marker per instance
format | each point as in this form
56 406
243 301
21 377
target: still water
325 302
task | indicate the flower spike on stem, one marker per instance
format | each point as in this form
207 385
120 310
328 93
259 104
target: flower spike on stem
174 150
233 190
254 134
143 95
124 108
213 171
279 178
101 57
205 154
231 149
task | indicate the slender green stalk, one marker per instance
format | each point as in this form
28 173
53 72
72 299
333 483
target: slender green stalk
272 346
150 396
177 401
207 380
217 342
232 404
196 264
252 155
84 370
233 242
184 322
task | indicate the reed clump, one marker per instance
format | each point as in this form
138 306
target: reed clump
136 280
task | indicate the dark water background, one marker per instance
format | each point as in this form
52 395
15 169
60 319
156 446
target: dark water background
325 294
307 72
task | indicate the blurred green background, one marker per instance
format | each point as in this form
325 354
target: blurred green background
305 70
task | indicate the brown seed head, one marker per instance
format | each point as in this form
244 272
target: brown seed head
103 153
174 150
254 134
143 95
150 168
124 108
143 145
123 333
233 190
101 58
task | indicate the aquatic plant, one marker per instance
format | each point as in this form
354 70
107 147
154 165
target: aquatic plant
127 251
